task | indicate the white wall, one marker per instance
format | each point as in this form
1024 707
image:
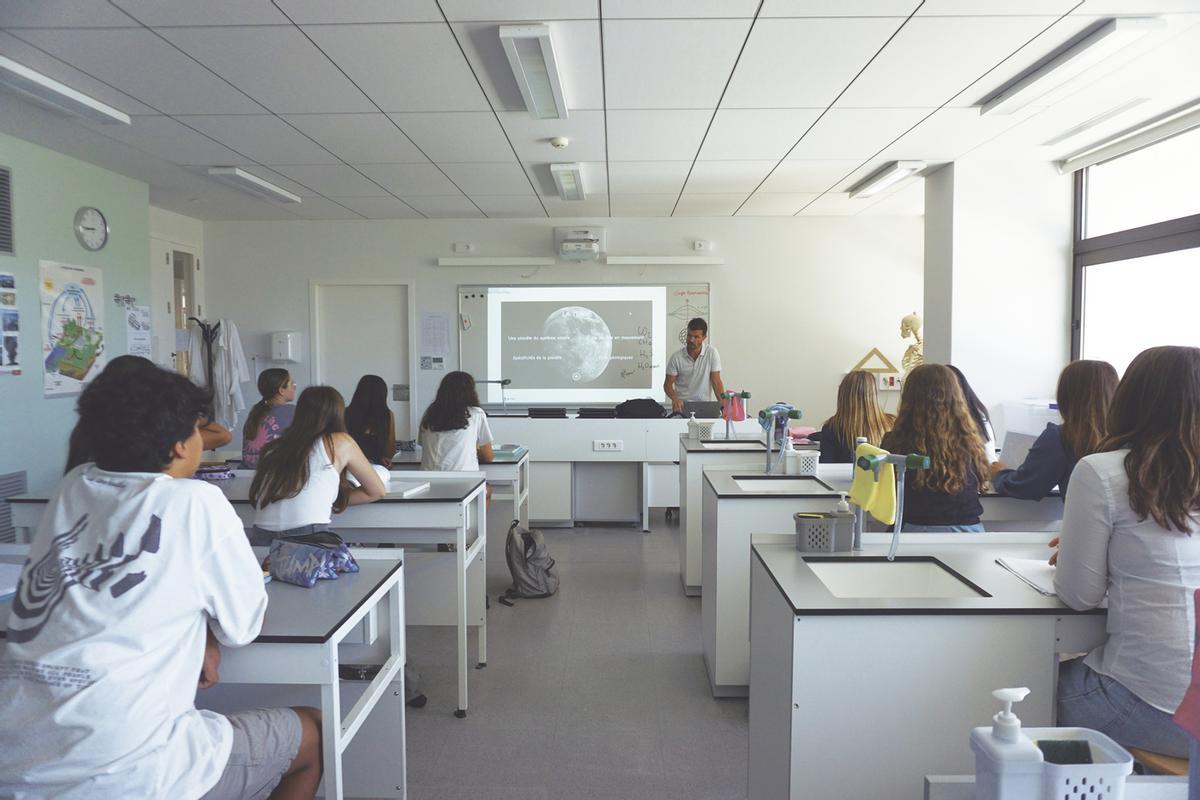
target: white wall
798 302
1004 263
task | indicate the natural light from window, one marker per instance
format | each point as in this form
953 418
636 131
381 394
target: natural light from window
1139 303
1150 185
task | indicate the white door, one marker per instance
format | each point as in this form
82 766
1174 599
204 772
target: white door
162 304
363 330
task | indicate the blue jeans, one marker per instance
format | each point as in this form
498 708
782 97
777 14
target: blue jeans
1193 769
1087 699
911 528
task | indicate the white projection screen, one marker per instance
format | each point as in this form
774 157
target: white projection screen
574 344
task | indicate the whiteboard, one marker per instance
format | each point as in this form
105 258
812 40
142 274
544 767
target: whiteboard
564 344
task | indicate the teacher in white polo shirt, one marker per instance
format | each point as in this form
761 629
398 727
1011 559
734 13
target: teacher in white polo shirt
695 369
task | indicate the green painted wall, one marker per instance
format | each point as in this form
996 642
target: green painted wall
47 189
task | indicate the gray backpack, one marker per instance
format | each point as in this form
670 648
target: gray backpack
531 566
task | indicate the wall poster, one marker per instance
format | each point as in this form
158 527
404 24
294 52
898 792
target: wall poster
72 330
10 326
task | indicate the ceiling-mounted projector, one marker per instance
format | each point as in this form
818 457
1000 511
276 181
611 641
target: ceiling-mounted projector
579 244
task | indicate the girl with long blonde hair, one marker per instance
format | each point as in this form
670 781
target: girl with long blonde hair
858 414
935 420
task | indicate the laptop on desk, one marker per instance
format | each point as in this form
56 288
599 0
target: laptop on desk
704 409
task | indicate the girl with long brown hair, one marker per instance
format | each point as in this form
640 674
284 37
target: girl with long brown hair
1127 535
298 485
454 431
1085 390
858 414
270 416
934 420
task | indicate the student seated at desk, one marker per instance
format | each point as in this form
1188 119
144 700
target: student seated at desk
370 422
122 368
454 433
858 414
934 420
298 485
133 577
1129 532
979 413
1085 390
270 416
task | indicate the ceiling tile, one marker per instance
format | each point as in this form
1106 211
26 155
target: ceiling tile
591 207
932 59
29 56
461 136
168 139
906 201
1131 7
833 205
687 9
359 138
948 134
332 180
654 63
310 12
648 177
531 137
479 179
510 206
838 8
727 177
775 205
741 134
262 138
998 8
807 176
519 10
856 132
595 179
156 13
709 205
410 180
393 65
62 14
804 63
643 205
378 207
577 48
445 207
175 84
655 135
277 66
321 208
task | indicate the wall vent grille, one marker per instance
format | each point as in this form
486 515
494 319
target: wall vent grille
6 215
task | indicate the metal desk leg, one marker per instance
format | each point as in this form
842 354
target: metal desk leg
331 726
460 578
645 497
481 526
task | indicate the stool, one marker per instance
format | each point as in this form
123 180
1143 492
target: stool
1158 764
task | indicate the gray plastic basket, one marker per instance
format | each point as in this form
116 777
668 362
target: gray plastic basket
824 532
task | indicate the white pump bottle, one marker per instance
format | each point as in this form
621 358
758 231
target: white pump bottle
1008 765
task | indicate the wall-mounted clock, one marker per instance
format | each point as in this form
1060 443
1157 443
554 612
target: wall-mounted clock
91 228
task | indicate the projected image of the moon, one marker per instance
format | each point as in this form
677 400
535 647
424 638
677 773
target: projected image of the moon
581 339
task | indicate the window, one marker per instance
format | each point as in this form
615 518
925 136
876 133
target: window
1137 252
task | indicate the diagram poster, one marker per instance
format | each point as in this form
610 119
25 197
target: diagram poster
137 331
10 326
72 329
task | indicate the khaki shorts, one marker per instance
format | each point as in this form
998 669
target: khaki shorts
265 742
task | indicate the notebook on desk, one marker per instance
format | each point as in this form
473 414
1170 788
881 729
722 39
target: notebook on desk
1016 447
508 452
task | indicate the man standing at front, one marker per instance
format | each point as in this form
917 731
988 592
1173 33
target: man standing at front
694 369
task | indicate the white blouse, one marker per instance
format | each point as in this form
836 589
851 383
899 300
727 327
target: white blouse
1148 572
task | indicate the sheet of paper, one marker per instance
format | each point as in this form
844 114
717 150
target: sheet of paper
1036 572
9 574
137 331
435 333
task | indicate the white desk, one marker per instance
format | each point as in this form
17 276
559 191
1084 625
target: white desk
299 645
452 511
507 471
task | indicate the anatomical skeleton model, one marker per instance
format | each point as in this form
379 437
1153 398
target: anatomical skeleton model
914 356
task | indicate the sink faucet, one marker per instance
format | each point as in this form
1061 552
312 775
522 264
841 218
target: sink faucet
773 420
874 463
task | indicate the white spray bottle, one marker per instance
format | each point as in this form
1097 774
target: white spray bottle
1008 765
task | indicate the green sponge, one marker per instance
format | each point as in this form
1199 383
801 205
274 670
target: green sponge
1066 751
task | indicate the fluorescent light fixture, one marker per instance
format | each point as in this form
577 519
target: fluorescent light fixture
1163 126
50 92
1087 125
530 52
252 184
889 175
569 180
1067 63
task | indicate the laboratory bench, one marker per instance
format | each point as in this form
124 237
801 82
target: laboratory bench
894 662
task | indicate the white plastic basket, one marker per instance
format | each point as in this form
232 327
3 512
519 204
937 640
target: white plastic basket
1102 780
807 461
824 532
705 430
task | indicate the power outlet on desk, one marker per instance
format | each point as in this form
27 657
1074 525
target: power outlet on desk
607 445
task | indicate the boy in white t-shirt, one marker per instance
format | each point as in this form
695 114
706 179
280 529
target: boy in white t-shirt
133 577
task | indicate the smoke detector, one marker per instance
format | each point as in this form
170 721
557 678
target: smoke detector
560 142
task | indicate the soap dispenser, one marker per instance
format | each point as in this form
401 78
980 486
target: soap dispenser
693 427
790 456
1008 765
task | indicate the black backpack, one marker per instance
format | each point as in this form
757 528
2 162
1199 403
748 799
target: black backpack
640 408
531 566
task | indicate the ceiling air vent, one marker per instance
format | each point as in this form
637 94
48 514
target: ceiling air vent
6 215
